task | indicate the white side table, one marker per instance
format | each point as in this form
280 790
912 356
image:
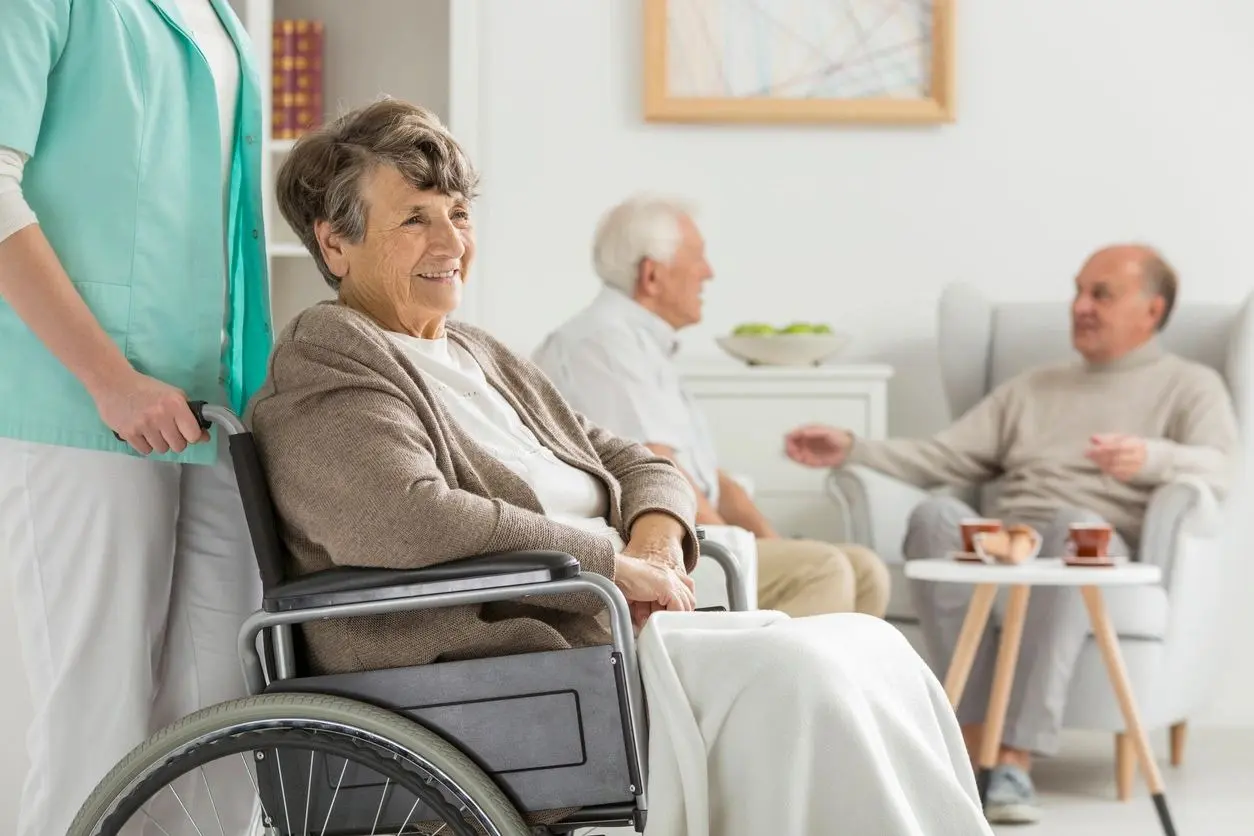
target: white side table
1040 572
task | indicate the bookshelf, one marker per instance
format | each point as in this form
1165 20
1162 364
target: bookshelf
423 51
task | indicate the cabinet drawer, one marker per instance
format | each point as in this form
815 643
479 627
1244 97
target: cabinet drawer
749 432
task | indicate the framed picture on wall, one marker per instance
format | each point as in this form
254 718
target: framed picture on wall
855 61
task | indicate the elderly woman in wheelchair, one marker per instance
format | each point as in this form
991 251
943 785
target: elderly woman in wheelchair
467 562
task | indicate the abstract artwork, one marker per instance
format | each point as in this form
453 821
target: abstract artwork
799 60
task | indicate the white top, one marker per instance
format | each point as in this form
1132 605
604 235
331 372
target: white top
202 23
615 363
15 213
1043 571
567 494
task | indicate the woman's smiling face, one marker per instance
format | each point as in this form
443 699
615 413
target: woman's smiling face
407 270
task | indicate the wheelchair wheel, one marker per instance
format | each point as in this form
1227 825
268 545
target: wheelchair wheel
294 765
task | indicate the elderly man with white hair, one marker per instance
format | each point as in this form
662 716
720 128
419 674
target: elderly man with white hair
614 362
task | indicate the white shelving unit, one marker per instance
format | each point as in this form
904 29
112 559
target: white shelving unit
423 51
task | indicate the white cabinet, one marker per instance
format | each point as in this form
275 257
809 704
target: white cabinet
751 408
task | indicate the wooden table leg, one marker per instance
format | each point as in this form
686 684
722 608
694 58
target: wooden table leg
1003 680
969 641
1108 643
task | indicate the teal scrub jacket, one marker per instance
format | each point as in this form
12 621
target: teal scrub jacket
116 108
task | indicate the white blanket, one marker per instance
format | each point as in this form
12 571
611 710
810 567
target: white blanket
830 725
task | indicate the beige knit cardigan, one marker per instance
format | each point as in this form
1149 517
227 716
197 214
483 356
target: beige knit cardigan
367 469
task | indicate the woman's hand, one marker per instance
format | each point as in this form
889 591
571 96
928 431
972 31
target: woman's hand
149 415
650 588
657 538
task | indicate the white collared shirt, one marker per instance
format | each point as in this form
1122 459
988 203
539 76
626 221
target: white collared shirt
615 363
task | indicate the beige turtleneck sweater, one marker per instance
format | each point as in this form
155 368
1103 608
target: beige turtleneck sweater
1032 432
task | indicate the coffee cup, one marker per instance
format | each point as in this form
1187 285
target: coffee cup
1089 541
976 525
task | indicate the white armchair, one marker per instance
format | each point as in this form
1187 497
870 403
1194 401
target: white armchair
1170 635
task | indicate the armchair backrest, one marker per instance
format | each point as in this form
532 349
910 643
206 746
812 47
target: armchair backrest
982 344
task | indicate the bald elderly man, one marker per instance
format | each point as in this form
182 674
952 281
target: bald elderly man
1084 441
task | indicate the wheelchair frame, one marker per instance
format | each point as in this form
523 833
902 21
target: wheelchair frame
347 593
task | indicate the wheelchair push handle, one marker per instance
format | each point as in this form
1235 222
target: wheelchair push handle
207 415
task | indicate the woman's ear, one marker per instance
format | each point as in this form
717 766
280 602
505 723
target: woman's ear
332 246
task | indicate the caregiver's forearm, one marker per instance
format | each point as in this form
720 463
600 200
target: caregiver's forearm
34 284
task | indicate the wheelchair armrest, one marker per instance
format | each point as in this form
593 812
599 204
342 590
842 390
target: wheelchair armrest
356 586
738 594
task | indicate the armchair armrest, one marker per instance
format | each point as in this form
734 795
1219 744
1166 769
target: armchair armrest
337 586
1185 506
875 508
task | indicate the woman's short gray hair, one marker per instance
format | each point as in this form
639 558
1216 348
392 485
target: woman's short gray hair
320 180
643 226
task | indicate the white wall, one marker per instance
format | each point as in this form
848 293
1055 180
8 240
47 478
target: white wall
1078 123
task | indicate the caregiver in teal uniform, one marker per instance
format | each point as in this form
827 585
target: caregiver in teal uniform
132 277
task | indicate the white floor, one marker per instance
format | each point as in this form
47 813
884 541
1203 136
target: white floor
1212 794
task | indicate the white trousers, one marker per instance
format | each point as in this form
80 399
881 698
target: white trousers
131 580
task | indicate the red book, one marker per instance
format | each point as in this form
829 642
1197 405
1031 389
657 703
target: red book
296 92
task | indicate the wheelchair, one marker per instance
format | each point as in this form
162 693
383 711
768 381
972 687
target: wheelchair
461 747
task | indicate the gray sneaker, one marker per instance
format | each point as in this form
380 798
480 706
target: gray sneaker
1011 798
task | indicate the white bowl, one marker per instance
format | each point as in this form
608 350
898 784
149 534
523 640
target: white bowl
783 349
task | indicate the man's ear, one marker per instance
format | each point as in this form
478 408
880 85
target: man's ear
1158 306
647 278
332 246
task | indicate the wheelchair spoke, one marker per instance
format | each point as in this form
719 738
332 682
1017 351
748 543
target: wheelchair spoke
187 812
308 793
338 783
154 821
265 816
287 816
401 831
374 828
212 801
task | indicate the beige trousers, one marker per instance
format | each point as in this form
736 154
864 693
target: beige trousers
808 577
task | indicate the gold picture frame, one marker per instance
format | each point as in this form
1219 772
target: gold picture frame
788 99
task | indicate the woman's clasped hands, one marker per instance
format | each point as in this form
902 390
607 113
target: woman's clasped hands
650 569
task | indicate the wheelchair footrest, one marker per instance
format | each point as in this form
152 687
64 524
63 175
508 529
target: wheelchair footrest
548 727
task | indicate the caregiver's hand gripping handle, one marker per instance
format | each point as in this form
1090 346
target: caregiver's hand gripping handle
153 417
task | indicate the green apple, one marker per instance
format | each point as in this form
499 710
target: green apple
822 328
798 328
753 329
